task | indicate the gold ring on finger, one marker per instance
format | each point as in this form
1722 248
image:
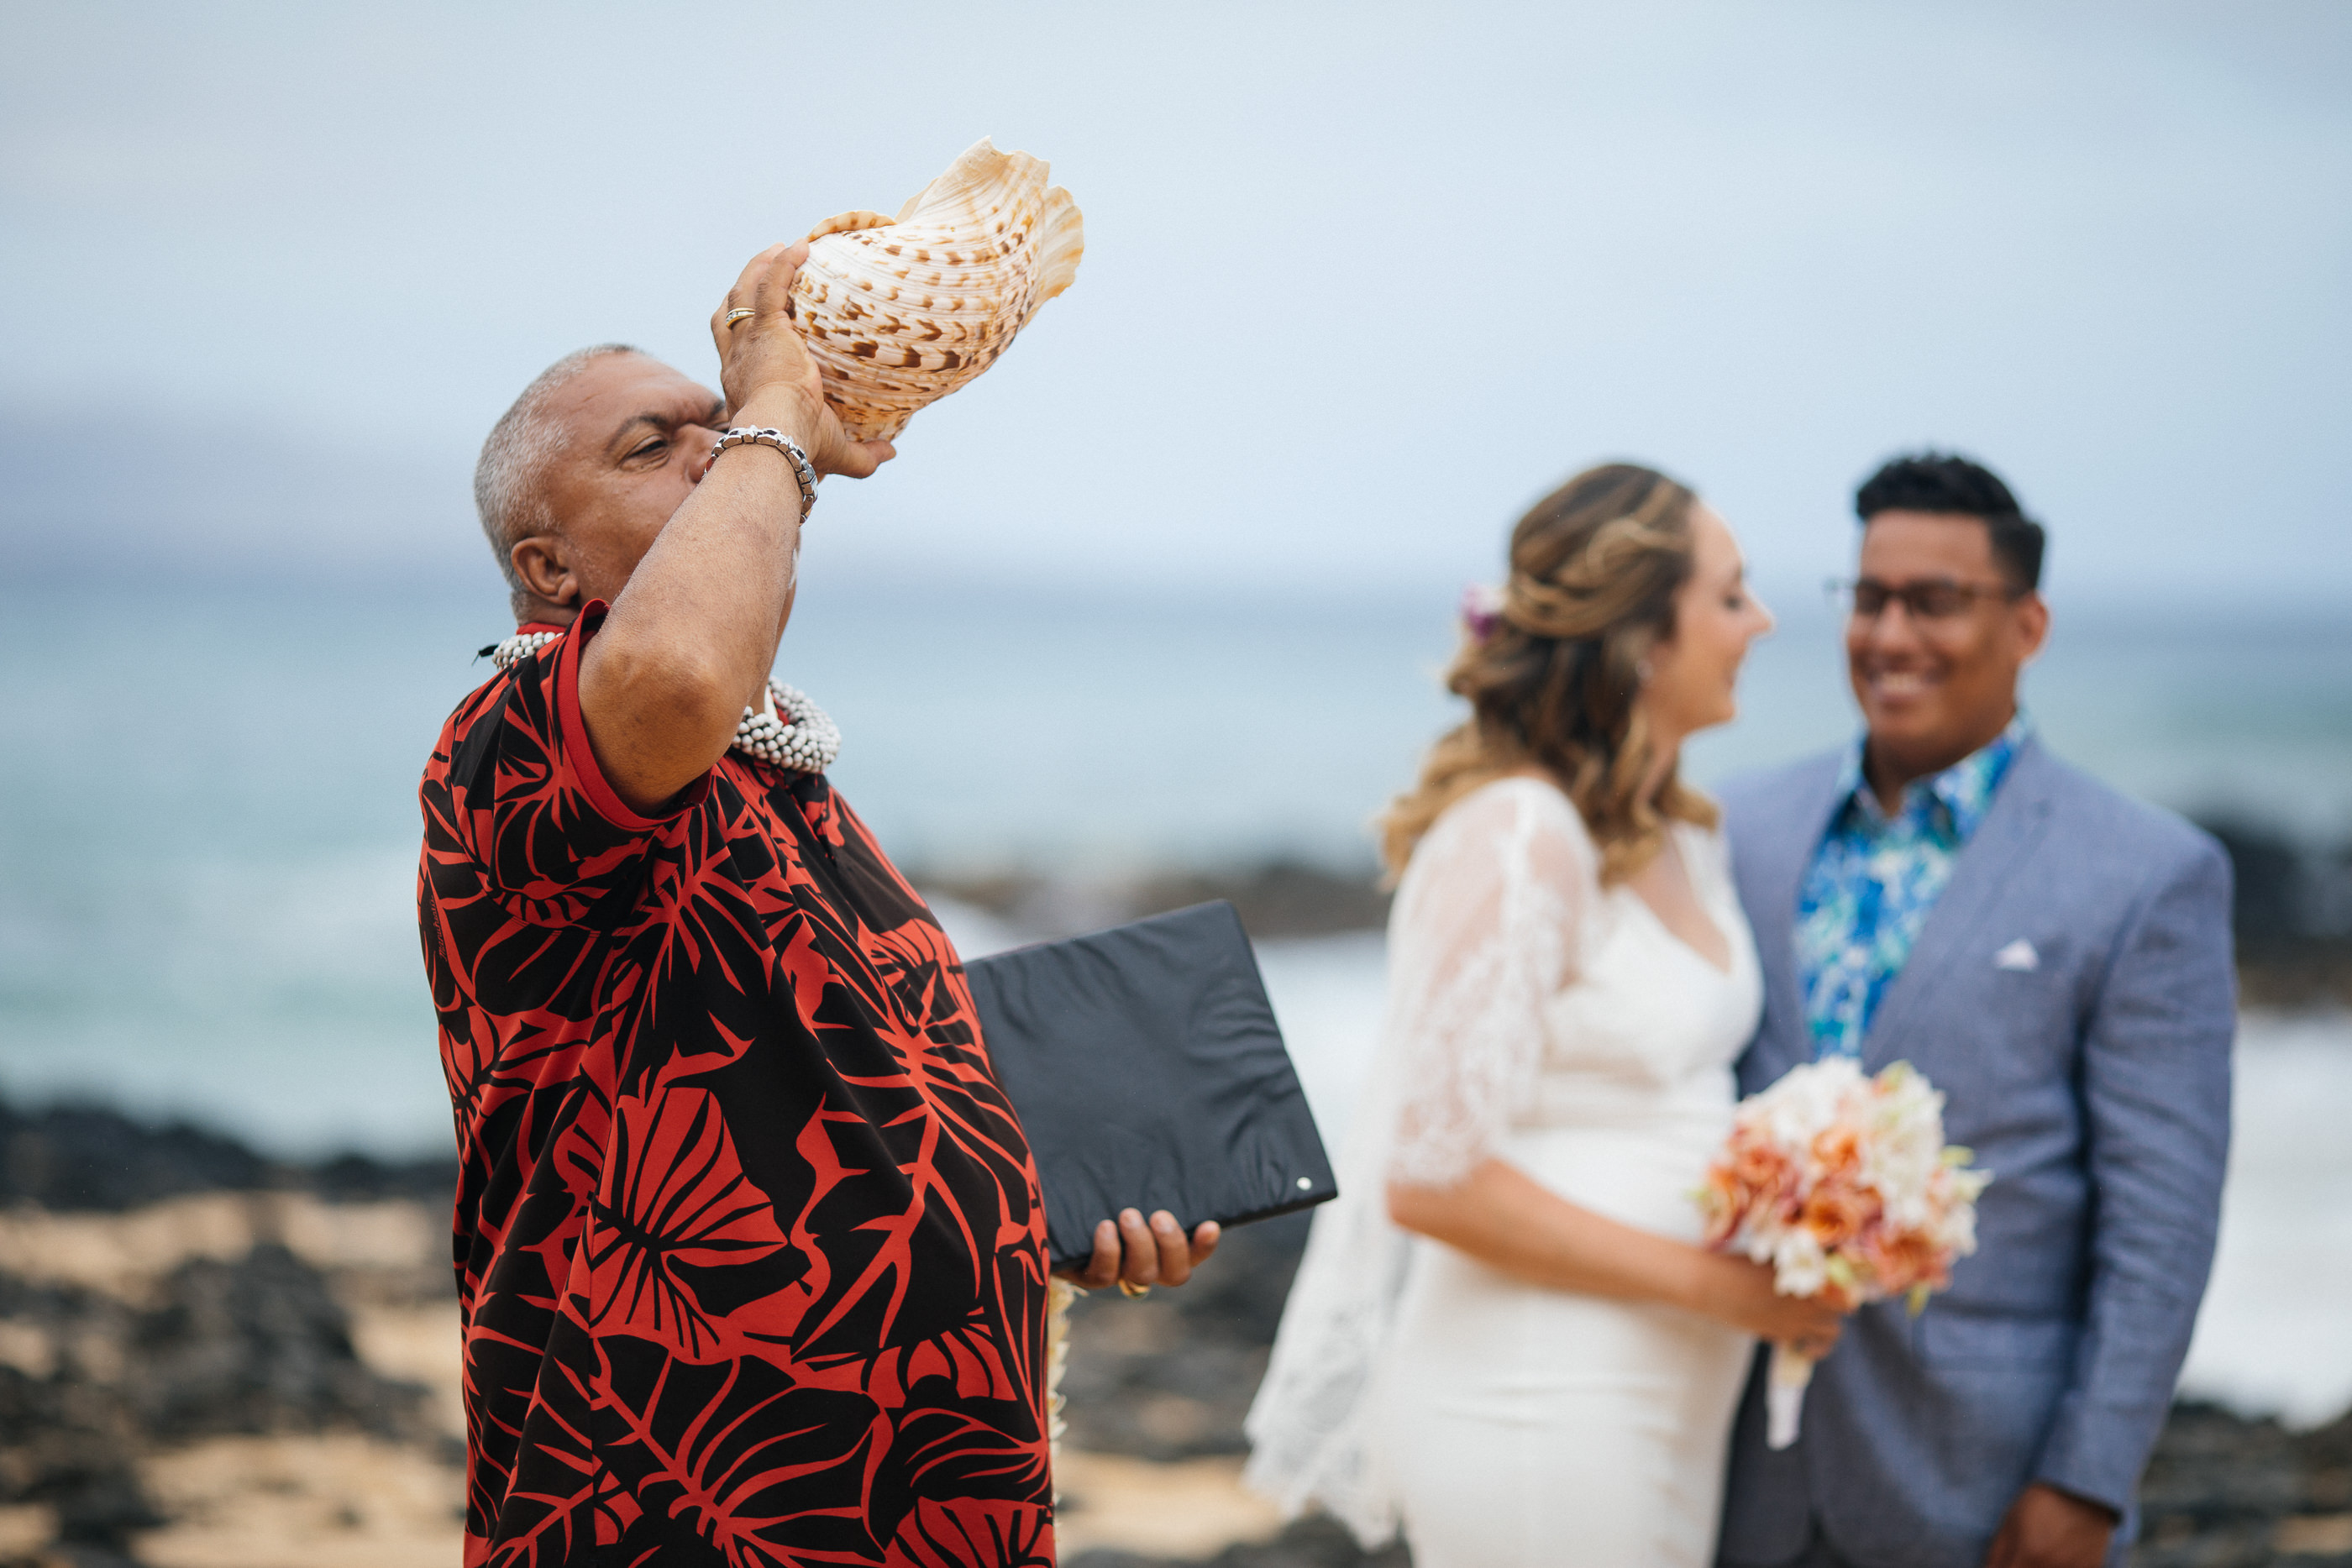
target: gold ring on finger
740 313
1133 1291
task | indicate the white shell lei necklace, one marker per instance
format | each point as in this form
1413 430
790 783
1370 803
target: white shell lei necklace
804 739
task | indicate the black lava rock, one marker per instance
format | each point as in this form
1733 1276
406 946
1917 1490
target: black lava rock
357 1179
2224 1493
69 1157
69 1442
258 1344
82 1156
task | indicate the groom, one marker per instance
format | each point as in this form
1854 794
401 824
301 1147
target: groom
2055 957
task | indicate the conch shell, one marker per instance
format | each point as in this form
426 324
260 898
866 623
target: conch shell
901 312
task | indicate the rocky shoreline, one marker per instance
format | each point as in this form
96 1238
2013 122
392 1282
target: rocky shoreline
2293 911
182 1319
209 1359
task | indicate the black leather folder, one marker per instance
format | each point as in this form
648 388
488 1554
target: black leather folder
1149 1073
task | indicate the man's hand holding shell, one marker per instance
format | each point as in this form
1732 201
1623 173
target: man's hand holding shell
767 374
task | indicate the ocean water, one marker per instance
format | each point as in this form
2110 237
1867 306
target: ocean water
208 834
208 794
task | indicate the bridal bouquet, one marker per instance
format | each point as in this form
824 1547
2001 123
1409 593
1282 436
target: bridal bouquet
1844 1185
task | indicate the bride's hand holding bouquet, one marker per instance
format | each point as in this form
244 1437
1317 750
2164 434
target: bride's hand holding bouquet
1746 1296
1844 1187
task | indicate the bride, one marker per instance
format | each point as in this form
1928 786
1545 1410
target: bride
1504 1335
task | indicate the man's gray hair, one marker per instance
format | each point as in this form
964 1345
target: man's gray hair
510 480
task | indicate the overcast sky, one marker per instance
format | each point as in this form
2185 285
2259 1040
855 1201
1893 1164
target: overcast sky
1360 282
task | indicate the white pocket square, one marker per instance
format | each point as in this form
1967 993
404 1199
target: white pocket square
2019 955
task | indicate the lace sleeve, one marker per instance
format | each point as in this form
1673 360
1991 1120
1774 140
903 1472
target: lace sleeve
1485 929
1484 932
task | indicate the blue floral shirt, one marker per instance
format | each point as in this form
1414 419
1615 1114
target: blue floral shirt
1874 880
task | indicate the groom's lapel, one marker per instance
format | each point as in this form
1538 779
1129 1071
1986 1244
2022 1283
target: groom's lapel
1956 928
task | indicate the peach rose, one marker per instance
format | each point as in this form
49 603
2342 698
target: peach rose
1838 1151
1723 1203
1835 1213
1761 1168
1901 1260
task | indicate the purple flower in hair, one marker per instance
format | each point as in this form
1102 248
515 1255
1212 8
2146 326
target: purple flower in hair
1482 610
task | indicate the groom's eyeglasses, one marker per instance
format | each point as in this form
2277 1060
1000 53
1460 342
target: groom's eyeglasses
1937 599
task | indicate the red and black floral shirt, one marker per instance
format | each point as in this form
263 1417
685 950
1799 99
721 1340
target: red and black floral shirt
749 1243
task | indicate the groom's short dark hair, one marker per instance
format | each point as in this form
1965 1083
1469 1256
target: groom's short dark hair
1942 482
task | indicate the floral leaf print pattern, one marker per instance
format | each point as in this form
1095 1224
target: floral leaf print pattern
1875 879
674 1209
749 1244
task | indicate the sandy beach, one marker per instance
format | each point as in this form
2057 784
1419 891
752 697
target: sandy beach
314 1487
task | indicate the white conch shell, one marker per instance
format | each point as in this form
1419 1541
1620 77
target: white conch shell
901 312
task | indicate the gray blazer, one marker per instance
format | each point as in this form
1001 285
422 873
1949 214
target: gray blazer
2073 995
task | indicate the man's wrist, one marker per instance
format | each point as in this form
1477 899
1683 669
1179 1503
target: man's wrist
781 410
803 473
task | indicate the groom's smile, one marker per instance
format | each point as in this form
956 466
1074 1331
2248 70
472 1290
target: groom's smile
1935 643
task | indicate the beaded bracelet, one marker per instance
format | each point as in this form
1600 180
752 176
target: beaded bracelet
804 474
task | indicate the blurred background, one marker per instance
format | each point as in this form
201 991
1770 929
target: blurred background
1154 611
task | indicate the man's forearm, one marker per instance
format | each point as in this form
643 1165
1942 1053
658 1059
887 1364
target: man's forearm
694 628
690 638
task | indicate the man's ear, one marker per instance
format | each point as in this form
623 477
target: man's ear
547 576
2033 612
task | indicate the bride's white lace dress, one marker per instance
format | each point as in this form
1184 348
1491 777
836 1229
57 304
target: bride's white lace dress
1535 1017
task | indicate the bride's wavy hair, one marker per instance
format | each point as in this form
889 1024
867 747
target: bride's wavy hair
1551 679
